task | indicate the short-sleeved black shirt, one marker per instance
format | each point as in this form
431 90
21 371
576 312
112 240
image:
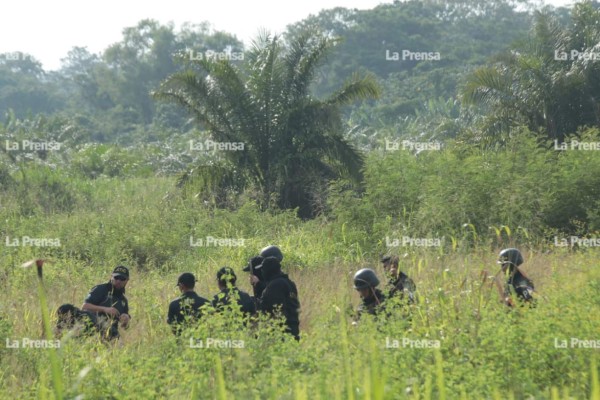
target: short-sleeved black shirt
105 295
186 306
243 299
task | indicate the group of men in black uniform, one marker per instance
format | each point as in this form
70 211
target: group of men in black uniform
401 286
274 293
105 308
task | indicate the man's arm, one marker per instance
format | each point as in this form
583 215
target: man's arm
173 312
95 297
504 294
258 286
99 309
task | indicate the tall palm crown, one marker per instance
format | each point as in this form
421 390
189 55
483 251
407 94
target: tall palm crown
542 85
292 141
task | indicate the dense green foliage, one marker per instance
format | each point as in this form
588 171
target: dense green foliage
485 352
494 145
277 137
111 91
549 83
537 188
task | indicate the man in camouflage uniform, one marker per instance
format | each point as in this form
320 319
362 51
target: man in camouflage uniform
366 282
400 284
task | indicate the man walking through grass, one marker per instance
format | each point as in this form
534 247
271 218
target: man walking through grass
280 296
510 260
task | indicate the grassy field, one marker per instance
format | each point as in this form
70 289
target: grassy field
484 350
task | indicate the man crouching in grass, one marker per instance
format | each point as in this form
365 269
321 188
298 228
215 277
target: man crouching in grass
80 323
109 303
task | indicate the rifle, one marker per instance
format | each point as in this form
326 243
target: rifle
504 298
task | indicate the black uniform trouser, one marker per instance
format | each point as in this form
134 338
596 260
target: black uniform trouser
294 330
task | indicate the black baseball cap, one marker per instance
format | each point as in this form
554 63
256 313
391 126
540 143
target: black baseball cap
121 271
254 263
187 279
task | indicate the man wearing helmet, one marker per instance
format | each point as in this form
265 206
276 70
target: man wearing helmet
510 259
255 268
366 282
280 295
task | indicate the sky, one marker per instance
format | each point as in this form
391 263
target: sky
49 29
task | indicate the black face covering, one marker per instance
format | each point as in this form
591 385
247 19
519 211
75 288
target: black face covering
270 268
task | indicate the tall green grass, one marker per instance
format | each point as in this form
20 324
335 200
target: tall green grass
486 352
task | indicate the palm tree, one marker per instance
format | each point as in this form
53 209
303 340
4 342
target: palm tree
535 88
292 140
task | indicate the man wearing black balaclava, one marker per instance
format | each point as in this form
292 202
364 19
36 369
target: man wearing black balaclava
280 293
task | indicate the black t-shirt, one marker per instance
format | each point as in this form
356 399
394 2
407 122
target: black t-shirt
243 299
105 295
187 306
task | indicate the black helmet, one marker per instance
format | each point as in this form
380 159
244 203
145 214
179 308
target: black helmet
272 251
510 256
253 264
365 278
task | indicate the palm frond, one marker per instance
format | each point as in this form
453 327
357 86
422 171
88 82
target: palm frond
355 88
